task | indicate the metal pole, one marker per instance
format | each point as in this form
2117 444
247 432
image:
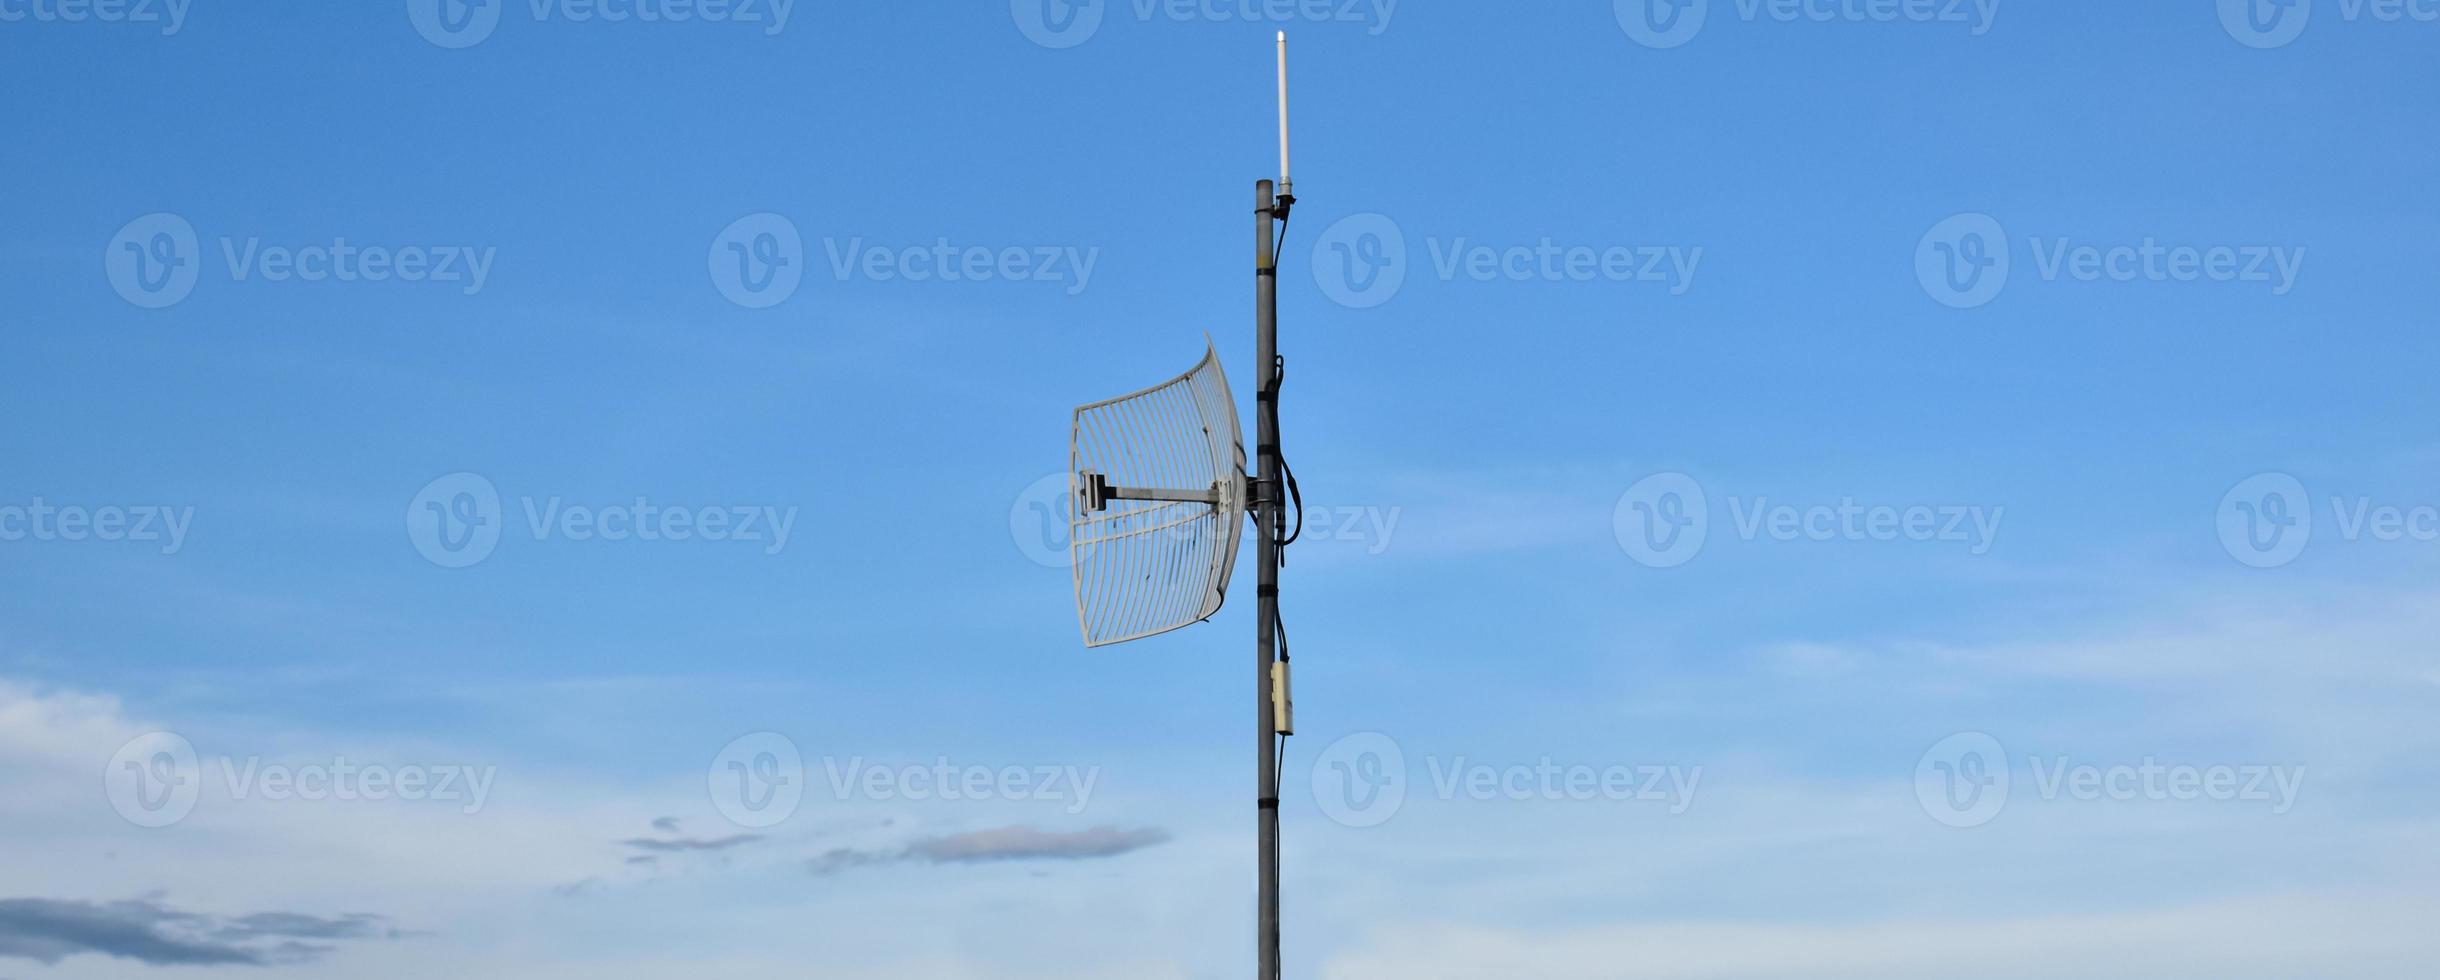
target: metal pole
1266 560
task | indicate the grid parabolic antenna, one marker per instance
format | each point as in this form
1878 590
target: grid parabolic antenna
1157 482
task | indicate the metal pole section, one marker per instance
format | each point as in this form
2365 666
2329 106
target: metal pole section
1266 560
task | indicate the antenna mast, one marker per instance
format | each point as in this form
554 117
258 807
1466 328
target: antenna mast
1272 718
1158 485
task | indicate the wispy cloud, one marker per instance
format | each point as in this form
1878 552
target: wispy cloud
999 844
147 931
1026 843
2247 940
683 844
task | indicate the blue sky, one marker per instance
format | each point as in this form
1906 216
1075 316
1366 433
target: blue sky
1641 269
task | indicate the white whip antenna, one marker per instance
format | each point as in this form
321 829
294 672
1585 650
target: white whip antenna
1287 184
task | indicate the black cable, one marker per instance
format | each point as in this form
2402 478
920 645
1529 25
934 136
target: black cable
1279 622
1287 473
1278 837
1279 379
1282 241
1279 763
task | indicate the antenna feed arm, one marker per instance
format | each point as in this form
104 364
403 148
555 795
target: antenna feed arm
1098 493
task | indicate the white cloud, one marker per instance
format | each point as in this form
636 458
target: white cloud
2337 937
486 892
1780 869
